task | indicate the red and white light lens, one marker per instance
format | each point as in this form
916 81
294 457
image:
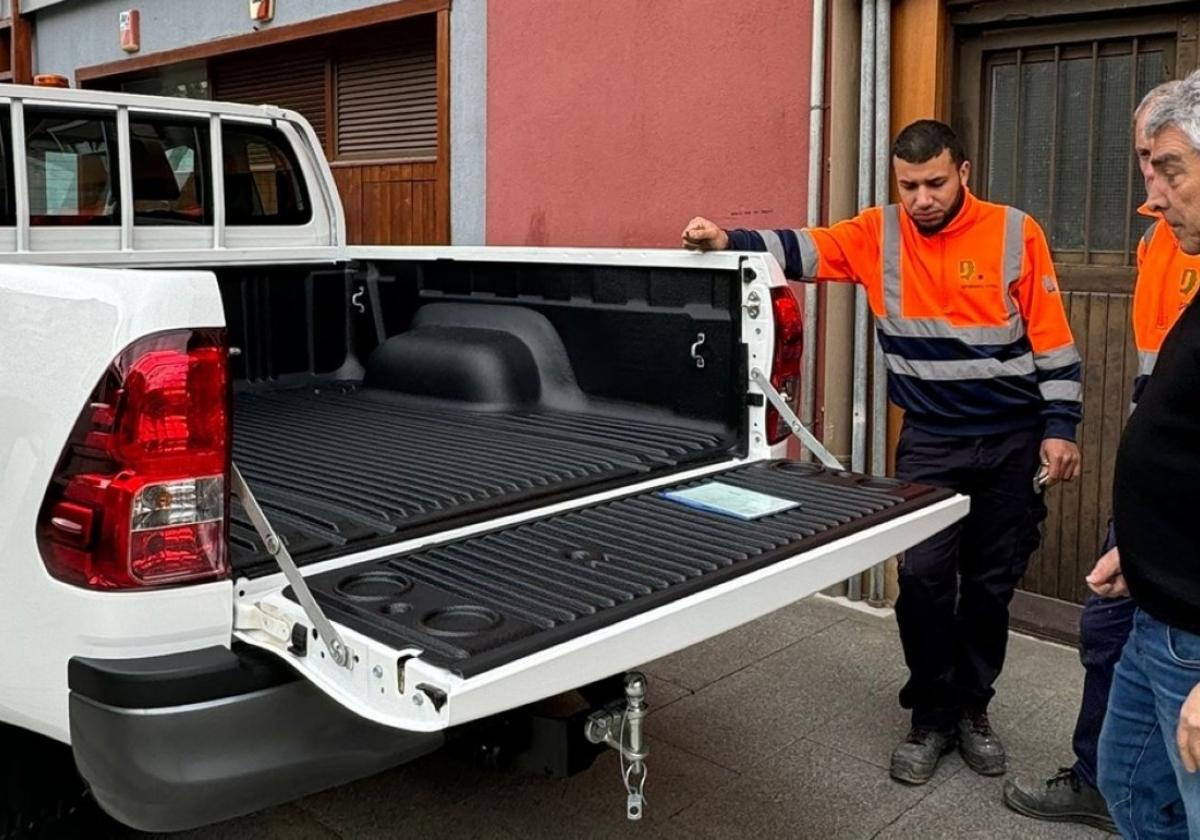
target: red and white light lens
140 496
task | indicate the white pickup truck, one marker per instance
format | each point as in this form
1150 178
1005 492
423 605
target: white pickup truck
203 387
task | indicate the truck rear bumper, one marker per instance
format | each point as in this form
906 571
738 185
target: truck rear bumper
159 761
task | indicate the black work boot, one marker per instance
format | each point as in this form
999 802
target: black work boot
916 759
1061 798
979 746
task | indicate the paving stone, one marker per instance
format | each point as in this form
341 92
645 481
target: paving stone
968 807
866 655
871 729
709 661
662 692
808 791
287 822
787 733
421 798
1037 672
734 723
744 718
593 803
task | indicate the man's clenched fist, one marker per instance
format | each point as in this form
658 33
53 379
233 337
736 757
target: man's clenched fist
703 235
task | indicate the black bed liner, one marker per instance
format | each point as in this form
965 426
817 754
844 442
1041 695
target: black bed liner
341 468
480 602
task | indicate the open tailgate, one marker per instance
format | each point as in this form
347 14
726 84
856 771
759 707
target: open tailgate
471 627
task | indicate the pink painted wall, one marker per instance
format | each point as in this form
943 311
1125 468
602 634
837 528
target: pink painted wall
613 122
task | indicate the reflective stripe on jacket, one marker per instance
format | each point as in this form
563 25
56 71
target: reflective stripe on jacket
970 319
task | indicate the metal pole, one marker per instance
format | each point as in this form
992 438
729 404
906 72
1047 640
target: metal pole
816 173
866 153
883 104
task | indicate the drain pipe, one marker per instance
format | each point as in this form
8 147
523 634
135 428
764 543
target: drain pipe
883 133
816 173
862 321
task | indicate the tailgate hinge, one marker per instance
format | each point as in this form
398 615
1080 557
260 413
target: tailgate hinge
798 429
275 547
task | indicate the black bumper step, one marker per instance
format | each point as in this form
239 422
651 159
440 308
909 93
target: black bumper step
480 602
343 469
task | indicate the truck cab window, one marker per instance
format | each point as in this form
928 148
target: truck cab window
169 163
263 184
72 168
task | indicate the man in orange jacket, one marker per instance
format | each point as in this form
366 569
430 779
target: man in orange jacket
1167 280
980 357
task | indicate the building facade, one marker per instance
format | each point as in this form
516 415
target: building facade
513 122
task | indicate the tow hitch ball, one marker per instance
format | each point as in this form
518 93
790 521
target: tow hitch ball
621 728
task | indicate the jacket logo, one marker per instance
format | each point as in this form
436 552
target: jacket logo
1050 284
966 270
1187 283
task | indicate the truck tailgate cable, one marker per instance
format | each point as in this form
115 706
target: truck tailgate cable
798 429
275 547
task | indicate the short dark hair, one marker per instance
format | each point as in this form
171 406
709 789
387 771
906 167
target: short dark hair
925 140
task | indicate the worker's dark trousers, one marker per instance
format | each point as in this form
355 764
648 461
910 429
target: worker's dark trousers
1103 630
955 587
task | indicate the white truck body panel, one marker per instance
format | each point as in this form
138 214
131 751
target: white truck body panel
60 328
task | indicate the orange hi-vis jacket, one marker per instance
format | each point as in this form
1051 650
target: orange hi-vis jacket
970 318
1167 280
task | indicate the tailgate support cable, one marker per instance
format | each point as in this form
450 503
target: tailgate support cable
806 437
275 547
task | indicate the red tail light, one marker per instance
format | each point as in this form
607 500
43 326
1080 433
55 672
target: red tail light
140 494
785 367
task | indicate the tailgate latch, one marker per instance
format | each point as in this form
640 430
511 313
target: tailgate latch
609 726
325 630
798 429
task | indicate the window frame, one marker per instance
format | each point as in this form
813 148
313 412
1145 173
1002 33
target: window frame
971 97
113 152
284 142
8 197
204 167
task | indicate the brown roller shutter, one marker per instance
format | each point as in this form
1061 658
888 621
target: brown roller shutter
289 79
386 101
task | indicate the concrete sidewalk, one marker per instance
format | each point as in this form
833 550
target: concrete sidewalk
781 728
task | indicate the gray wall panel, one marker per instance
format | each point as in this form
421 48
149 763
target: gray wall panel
468 122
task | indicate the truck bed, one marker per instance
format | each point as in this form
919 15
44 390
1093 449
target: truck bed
341 467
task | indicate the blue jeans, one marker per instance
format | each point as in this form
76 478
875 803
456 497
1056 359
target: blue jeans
1103 630
1138 755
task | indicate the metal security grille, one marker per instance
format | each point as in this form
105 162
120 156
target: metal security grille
1058 140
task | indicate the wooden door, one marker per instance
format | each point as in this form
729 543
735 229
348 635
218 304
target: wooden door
378 101
1046 112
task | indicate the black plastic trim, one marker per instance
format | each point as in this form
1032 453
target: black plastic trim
177 679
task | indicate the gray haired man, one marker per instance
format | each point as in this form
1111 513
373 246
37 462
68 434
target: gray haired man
1152 729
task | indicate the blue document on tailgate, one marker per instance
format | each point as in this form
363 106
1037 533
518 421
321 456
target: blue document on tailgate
729 500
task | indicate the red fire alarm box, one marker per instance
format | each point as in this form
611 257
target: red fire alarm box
131 30
262 10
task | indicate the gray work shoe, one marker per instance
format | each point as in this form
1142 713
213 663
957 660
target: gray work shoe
915 760
1061 798
979 746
